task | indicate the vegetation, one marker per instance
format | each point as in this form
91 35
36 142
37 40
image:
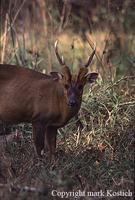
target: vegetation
100 155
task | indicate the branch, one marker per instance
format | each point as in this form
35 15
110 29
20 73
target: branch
19 188
127 103
126 78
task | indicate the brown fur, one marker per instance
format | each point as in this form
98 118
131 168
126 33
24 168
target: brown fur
30 96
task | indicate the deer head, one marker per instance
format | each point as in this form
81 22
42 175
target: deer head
73 84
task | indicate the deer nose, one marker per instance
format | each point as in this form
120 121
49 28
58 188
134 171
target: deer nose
72 103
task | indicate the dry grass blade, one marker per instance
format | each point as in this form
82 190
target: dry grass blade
4 39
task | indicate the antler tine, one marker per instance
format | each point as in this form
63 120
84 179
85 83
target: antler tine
60 59
91 56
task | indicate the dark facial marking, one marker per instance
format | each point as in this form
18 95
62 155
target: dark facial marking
67 86
73 93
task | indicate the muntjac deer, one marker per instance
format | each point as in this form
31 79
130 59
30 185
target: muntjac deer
46 101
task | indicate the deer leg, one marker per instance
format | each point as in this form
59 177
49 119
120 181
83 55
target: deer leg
38 137
51 134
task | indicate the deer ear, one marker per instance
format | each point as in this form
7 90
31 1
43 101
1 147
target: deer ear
91 77
56 76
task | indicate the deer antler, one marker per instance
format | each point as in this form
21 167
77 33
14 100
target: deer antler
91 56
60 59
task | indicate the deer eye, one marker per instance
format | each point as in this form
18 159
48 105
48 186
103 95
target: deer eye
80 87
66 86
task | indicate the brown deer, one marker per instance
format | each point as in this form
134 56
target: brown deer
46 101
